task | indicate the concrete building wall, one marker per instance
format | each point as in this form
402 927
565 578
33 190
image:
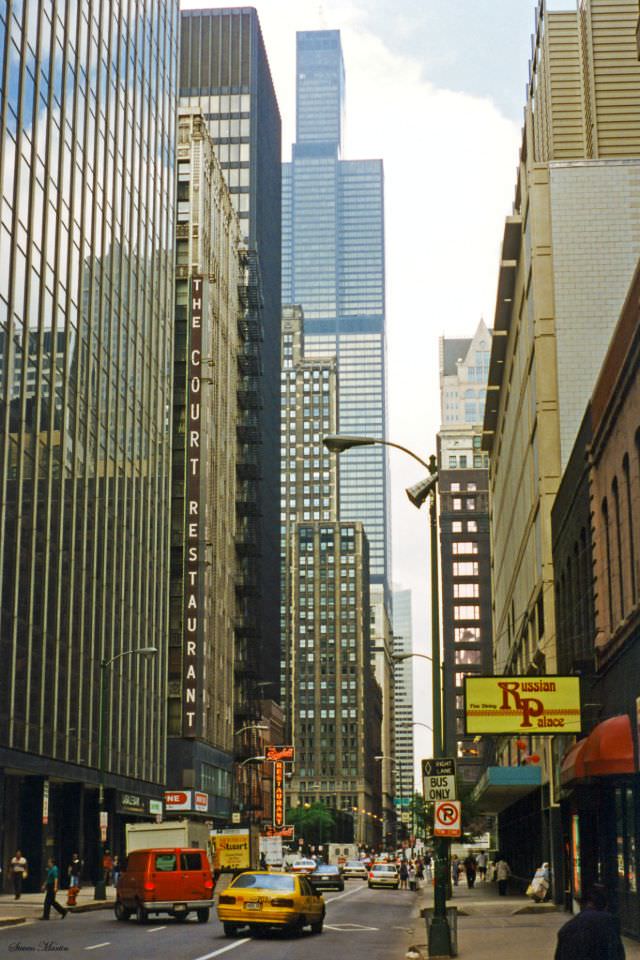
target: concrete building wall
595 232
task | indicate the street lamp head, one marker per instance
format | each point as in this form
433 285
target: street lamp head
419 492
338 443
147 651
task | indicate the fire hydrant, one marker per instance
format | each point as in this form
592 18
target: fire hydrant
72 894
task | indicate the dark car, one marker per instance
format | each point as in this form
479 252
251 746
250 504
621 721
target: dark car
326 877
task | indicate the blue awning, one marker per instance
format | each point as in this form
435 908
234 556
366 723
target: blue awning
499 787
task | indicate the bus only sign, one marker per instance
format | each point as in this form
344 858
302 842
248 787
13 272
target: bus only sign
439 779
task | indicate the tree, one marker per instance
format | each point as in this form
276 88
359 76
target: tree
313 821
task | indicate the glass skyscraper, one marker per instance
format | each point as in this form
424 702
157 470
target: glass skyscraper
87 159
333 266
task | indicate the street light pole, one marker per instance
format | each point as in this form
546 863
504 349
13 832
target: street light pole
439 932
100 888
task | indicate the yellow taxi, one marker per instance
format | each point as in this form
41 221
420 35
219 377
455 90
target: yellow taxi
258 899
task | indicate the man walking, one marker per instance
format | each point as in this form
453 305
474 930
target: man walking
503 872
592 933
50 886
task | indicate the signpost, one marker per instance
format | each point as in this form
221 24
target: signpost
439 779
447 818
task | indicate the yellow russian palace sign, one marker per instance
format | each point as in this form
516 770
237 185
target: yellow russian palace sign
534 705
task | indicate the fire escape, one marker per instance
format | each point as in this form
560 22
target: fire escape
248 541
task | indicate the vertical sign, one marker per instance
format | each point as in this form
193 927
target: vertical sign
191 714
45 802
278 794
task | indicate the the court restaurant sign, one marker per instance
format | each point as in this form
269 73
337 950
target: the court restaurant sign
535 705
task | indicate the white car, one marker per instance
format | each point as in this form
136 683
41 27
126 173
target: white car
384 875
355 868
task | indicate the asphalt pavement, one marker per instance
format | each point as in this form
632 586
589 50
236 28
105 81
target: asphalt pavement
360 924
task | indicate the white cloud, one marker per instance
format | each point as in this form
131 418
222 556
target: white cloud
450 162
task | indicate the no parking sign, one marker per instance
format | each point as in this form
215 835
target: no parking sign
447 818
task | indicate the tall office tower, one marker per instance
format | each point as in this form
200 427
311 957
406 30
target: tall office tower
86 327
403 694
203 493
333 266
331 699
465 548
224 71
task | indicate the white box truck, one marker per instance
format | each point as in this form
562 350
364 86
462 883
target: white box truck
169 833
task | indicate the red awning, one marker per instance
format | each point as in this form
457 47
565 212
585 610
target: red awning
572 765
609 748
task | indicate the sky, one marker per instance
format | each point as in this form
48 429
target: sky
437 89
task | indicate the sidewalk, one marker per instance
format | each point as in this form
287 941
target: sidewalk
510 927
29 906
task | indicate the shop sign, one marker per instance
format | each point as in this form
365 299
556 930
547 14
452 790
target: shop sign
280 753
286 832
177 800
192 656
231 849
131 803
200 802
278 795
513 705
155 808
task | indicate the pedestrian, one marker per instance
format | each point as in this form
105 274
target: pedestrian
455 869
412 878
539 885
404 875
107 866
263 862
592 933
470 869
50 886
503 872
18 868
74 869
419 871
481 861
116 870
427 866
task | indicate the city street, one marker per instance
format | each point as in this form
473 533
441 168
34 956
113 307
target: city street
360 923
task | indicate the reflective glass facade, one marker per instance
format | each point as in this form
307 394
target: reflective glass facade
333 265
87 151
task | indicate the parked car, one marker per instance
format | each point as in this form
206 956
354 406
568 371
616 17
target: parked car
260 900
355 868
384 875
326 876
169 880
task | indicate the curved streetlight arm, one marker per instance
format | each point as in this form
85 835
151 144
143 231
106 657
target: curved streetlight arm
251 726
337 443
414 723
142 651
251 760
397 657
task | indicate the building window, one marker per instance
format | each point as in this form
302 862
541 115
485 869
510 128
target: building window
466 612
464 547
453 463
469 569
472 526
466 590
607 543
456 503
466 657
466 634
616 506
456 526
632 548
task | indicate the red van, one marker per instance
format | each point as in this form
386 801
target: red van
174 881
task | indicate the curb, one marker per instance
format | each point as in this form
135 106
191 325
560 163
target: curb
92 905
12 921
537 908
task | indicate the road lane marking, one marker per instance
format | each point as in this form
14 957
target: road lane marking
347 894
155 929
96 946
349 927
231 946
